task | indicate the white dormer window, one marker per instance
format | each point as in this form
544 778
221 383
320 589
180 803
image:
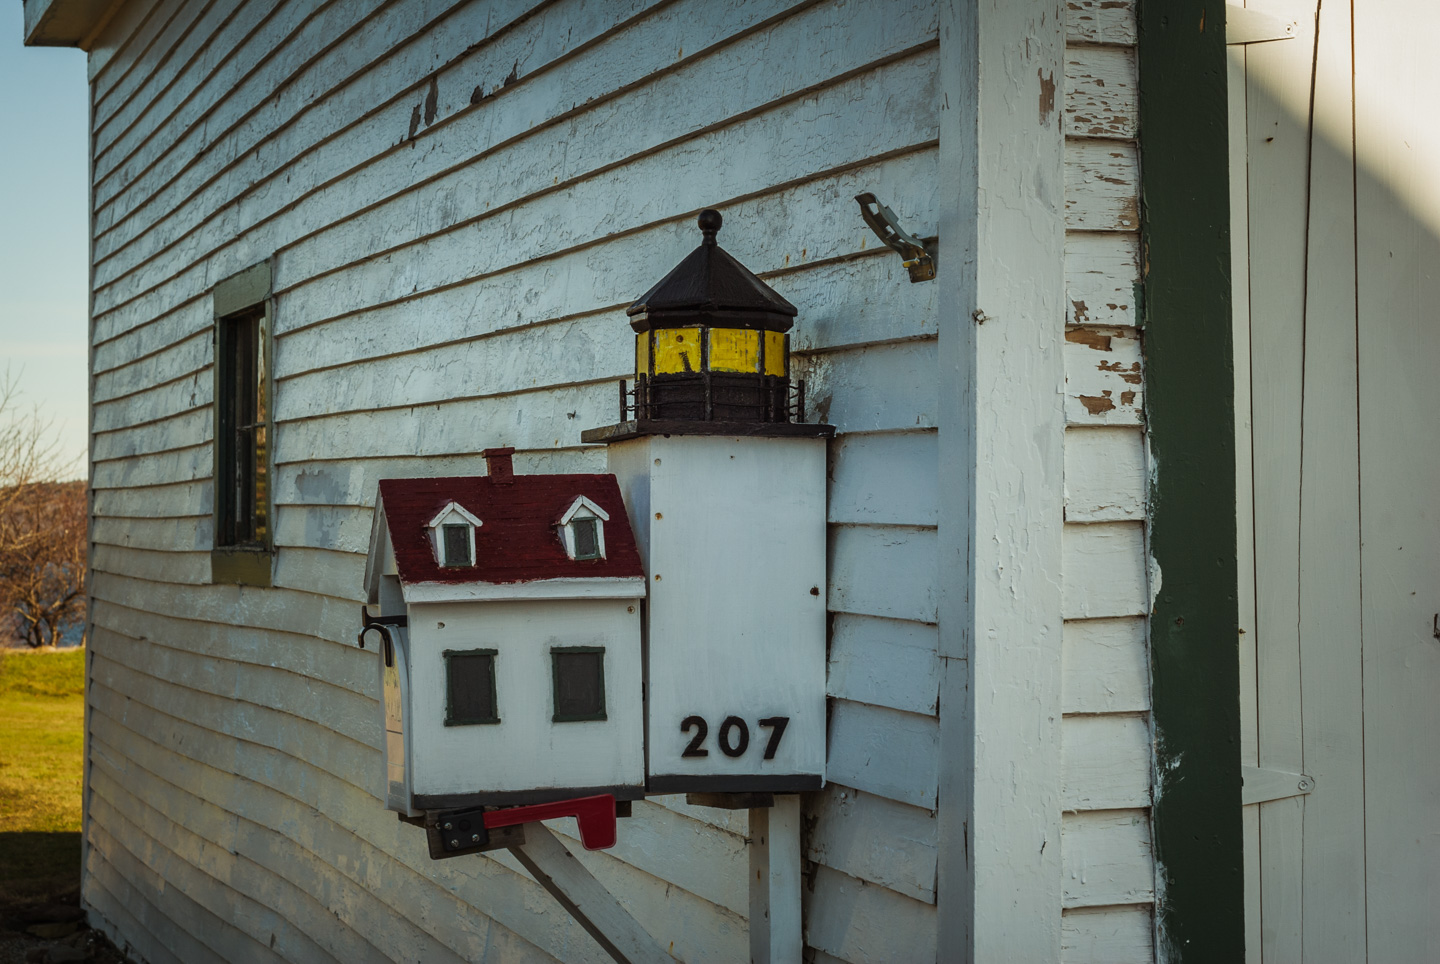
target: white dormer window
582 529
452 536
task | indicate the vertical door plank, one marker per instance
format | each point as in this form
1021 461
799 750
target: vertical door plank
1398 211
1277 95
1333 857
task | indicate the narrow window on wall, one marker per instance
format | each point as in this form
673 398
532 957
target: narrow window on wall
470 687
243 435
579 683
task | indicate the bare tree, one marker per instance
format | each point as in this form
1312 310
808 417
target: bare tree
42 526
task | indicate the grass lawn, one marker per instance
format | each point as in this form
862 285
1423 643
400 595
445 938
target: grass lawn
42 719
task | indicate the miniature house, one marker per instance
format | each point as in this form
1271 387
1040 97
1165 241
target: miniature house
725 484
509 635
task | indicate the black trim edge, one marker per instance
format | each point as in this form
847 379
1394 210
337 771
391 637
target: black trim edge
724 783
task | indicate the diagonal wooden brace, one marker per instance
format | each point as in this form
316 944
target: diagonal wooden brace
584 897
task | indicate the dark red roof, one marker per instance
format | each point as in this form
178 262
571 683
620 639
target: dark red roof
517 541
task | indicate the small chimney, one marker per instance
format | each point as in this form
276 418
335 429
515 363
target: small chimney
498 464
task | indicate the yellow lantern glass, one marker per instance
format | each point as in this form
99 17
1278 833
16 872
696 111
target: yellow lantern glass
777 358
677 350
734 350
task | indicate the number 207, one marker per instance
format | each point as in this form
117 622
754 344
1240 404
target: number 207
733 735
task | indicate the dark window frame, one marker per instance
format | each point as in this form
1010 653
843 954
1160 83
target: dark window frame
467 532
594 524
450 718
244 548
556 715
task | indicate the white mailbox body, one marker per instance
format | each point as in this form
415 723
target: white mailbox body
732 533
512 670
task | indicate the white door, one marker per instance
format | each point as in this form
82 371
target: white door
1336 201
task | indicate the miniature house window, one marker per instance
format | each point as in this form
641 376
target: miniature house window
582 529
579 683
452 535
470 687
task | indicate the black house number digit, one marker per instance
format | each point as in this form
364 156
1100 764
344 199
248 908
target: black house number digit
701 728
734 735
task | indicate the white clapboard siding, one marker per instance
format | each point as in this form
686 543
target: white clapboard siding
1104 475
1102 272
1107 935
861 923
157 502
1103 377
887 571
1100 22
885 662
1107 858
1105 572
165 468
1107 665
886 752
155 565
300 837
873 839
889 478
1106 762
1102 182
1101 92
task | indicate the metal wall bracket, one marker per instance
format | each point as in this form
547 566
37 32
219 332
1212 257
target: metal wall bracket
919 256
1247 25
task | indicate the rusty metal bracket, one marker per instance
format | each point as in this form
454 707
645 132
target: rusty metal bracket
918 255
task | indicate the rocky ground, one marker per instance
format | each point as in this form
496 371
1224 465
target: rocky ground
52 933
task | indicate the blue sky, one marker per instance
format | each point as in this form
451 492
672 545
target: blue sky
43 226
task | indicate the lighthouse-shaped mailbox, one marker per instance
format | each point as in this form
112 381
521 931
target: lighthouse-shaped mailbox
509 622
725 487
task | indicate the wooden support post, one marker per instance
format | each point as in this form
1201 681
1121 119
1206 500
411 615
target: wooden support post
775 936
586 899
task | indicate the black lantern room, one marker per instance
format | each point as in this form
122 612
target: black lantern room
712 353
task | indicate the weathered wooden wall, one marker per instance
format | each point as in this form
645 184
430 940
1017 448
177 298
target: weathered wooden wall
459 198
1109 889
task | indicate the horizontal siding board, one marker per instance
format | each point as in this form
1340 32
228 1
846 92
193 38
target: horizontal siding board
886 478
1107 935
296 846
162 468
162 878
884 662
192 28
1106 762
207 874
158 502
186 568
185 393
1104 567
873 839
1106 665
886 752
325 816
180 535
321 123
262 700
110 870
559 216
338 575
1105 476
178 432
1103 377
1107 858
1100 21
862 923
112 53
345 666
192 354
886 571
338 527
1102 270
287 610
1101 92
1102 179
136 36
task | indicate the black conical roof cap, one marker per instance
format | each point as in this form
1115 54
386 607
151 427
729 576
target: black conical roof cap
710 287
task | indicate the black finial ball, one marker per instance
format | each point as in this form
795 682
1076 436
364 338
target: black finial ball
709 221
